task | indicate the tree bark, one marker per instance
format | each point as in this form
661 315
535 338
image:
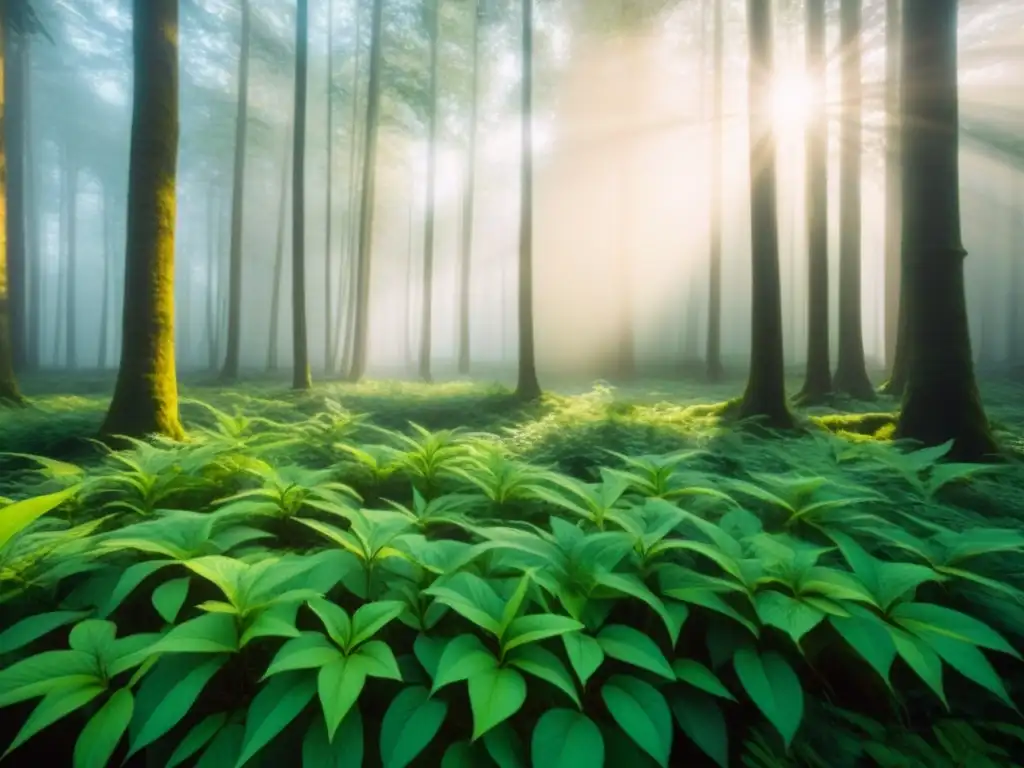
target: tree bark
818 377
145 397
360 334
9 392
714 342
765 395
33 224
851 376
527 386
941 401
300 368
469 199
427 304
275 291
229 372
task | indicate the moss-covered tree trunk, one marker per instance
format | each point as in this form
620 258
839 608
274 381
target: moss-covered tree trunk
275 288
300 344
469 196
714 342
851 375
941 401
14 130
146 394
765 395
9 392
430 214
527 386
232 353
818 378
892 180
361 321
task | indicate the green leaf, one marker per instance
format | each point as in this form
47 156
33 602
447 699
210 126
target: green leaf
276 621
922 659
794 617
34 627
542 663
463 657
410 724
634 647
129 579
462 754
377 660
511 609
98 740
428 652
310 650
532 629
563 738
335 620
38 675
471 597
197 738
169 597
59 702
701 719
641 711
971 663
209 633
224 749
505 747
585 654
869 636
18 516
339 685
172 692
276 705
494 696
697 675
226 573
774 687
372 617
922 618
93 636
346 750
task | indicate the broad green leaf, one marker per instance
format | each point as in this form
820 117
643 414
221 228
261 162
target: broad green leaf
209 633
346 750
868 636
309 650
369 619
276 621
225 573
532 629
34 627
585 654
515 602
642 713
970 662
335 620
58 703
276 705
339 684
542 663
632 585
473 598
16 517
377 660
922 618
634 647
93 636
37 675
697 675
563 738
505 747
224 749
774 687
169 696
197 738
410 724
463 657
428 652
922 659
98 740
494 696
130 578
794 617
463 754
169 597
700 718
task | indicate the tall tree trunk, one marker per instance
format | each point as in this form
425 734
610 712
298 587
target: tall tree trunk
818 378
527 386
765 395
232 354
941 401
108 257
9 392
892 180
714 344
329 218
62 254
146 394
275 294
361 329
212 283
427 306
223 272
851 375
71 268
33 224
469 198
300 369
14 129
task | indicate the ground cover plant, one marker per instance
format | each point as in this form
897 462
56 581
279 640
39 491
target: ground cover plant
377 576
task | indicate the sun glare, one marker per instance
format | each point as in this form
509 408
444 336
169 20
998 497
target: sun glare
791 99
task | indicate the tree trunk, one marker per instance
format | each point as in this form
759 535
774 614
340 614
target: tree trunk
765 395
275 294
714 344
851 376
212 247
892 179
14 129
229 372
430 215
300 369
527 387
108 256
146 394
33 224
1016 251
469 199
360 338
329 217
9 392
71 267
818 377
941 401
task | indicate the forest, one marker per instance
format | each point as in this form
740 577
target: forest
512 383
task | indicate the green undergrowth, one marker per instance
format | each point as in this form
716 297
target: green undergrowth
391 576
